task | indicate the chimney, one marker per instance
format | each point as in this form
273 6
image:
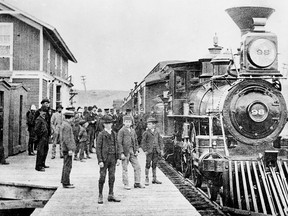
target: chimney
250 18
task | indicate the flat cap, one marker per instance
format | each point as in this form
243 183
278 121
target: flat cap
151 119
107 119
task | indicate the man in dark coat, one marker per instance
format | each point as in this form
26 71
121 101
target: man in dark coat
118 121
45 103
42 139
30 117
152 145
108 157
91 119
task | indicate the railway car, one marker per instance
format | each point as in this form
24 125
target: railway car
221 120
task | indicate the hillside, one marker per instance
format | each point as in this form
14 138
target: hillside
100 98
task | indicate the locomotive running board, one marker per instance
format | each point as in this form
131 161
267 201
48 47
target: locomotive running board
250 187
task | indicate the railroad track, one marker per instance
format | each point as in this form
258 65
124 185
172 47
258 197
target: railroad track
196 197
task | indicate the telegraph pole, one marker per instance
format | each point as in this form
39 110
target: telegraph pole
83 78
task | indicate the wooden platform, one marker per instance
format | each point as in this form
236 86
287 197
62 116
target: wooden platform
155 200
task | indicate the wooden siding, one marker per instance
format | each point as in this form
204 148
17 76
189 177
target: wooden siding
44 89
65 68
26 44
45 54
6 111
17 141
32 85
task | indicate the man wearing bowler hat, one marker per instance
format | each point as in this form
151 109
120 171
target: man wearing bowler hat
108 157
56 122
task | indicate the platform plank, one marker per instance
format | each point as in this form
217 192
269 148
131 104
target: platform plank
164 199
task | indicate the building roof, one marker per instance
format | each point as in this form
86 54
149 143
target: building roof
48 30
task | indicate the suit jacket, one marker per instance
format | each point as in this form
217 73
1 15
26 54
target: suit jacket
126 139
149 139
67 137
102 146
41 129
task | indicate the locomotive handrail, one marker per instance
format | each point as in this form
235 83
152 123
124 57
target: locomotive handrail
188 116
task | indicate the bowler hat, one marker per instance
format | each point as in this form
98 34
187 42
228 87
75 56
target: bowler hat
99 110
45 100
107 119
68 113
151 119
106 110
90 108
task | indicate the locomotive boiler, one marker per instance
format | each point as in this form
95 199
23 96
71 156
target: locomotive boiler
221 119
225 119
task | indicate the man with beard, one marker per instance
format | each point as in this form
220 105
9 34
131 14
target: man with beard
42 139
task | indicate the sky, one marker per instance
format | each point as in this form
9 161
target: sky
118 42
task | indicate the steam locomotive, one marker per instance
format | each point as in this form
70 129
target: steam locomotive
221 120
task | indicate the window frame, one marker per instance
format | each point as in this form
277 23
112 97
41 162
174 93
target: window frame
10 55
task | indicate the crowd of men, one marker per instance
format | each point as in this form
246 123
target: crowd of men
116 137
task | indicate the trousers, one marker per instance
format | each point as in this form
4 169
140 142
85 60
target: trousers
67 167
110 165
152 157
136 166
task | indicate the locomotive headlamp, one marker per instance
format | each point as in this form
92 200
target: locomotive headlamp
262 52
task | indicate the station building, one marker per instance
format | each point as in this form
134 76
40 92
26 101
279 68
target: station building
33 53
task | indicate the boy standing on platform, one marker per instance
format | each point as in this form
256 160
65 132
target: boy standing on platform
108 157
152 145
83 138
68 146
129 149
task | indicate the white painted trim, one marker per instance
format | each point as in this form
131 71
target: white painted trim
41 68
54 96
144 98
40 90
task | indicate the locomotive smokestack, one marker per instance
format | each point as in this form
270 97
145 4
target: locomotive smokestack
247 18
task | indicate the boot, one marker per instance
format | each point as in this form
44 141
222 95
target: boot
155 181
147 177
100 197
138 185
112 198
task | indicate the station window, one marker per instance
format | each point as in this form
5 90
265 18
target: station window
58 95
6 46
